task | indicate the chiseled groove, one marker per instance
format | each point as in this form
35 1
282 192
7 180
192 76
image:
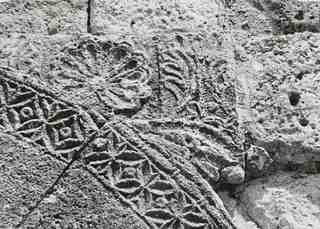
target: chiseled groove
228 223
68 164
159 170
51 188
35 88
10 78
90 10
108 187
159 78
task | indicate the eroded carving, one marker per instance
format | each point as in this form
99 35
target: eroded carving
163 168
36 116
163 189
115 71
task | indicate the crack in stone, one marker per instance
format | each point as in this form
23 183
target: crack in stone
244 207
90 9
50 190
159 82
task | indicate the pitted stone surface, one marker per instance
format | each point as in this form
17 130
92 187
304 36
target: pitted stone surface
161 108
24 173
145 109
148 171
81 202
284 201
258 161
279 99
42 16
142 16
292 16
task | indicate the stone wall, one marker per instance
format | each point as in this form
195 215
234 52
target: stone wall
133 114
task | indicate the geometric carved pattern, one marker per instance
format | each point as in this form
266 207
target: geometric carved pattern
193 87
161 193
159 174
38 117
179 79
116 71
162 189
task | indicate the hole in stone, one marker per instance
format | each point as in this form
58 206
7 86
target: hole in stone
91 48
106 46
134 76
131 64
294 98
245 26
300 76
119 53
303 121
27 112
317 165
299 15
65 132
291 167
179 39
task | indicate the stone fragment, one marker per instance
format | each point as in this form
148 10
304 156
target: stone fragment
278 96
282 201
233 174
258 161
291 16
237 211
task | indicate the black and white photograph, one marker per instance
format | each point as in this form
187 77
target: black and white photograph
159 114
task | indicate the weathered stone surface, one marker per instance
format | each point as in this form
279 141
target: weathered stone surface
175 79
282 201
233 174
43 16
79 201
163 94
291 16
157 97
145 17
248 20
25 173
145 162
258 162
278 95
238 212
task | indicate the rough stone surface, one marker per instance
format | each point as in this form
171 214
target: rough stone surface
79 201
238 212
247 20
279 99
291 16
25 173
145 17
258 162
233 174
162 110
42 16
145 110
284 201
154 169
